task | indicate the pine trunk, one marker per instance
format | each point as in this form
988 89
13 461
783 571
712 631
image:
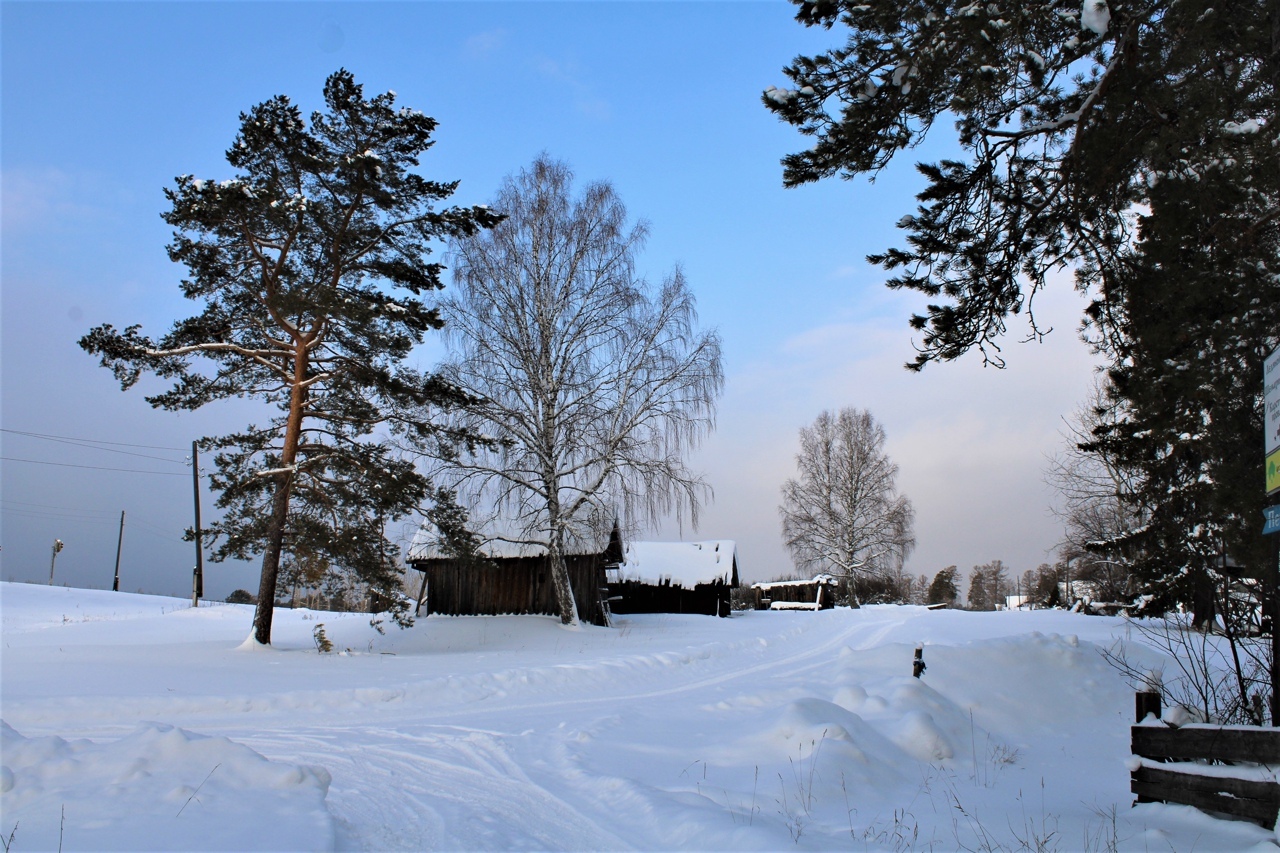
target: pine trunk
280 501
271 561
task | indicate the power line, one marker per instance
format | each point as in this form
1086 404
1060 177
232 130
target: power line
44 513
110 512
85 442
93 467
92 440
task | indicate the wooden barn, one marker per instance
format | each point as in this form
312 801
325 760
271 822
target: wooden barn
816 594
675 577
510 581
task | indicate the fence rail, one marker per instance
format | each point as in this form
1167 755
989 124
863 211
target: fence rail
1214 768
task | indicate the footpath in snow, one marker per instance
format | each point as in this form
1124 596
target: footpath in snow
138 723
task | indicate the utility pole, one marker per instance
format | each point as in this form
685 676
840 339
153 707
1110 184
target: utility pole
57 546
115 584
197 581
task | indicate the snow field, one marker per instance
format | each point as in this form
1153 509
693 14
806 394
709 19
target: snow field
766 731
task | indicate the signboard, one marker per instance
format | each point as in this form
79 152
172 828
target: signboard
1273 520
1271 401
1271 418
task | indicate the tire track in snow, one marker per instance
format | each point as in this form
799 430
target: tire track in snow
439 788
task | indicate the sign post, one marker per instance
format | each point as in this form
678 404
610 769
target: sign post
1271 466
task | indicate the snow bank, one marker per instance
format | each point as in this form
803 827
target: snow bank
159 788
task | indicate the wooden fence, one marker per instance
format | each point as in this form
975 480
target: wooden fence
1221 769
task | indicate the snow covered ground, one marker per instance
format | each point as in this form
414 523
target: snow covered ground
137 723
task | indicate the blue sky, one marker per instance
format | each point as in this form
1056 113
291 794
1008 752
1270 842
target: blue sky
103 104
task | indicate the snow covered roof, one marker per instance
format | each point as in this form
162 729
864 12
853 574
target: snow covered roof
819 578
426 547
684 563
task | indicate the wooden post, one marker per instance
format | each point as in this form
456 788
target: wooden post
115 584
197 583
917 666
1272 585
57 546
421 590
1145 703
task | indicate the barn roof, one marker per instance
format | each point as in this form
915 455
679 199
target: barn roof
684 563
426 546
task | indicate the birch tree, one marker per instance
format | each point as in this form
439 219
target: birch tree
595 383
311 262
842 514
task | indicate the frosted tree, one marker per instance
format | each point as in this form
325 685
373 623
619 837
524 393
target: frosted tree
311 262
842 513
593 383
1098 505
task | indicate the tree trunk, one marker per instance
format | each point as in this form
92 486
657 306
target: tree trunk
560 577
280 500
271 561
1203 603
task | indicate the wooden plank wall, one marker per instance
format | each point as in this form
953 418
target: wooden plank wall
1251 799
805 592
514 585
709 599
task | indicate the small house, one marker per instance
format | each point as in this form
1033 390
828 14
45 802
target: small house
510 580
675 577
816 594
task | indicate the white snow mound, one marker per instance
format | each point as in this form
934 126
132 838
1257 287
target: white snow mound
159 788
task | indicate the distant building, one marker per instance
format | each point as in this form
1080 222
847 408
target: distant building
512 579
675 577
816 594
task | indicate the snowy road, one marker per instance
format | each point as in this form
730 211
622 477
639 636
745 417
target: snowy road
763 731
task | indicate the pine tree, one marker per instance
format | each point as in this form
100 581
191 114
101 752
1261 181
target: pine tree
1070 118
311 262
943 588
1137 143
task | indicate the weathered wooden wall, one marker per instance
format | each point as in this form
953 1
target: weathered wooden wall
511 585
709 599
800 592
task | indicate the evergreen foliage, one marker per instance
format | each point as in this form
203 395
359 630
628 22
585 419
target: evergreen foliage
943 588
988 586
1134 142
312 264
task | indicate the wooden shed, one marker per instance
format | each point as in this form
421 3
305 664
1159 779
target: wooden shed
675 577
816 594
510 581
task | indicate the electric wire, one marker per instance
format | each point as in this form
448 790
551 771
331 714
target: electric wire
92 444
92 440
94 467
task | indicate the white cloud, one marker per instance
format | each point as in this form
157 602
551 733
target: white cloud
36 199
970 441
486 44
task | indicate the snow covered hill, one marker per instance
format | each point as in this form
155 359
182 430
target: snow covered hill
137 723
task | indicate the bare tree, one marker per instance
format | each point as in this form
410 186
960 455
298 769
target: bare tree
1097 493
594 383
842 514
